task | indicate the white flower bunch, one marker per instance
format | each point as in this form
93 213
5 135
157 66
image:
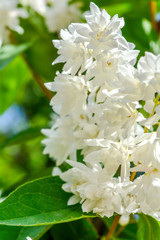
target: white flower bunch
38 5
58 14
99 97
9 14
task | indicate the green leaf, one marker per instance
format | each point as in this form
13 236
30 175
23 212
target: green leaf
123 8
9 52
22 136
136 34
81 229
130 231
12 79
40 202
20 233
148 228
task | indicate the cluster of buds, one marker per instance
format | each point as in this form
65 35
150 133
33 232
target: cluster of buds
108 110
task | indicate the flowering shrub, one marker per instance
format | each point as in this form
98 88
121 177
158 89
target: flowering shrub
104 136
99 95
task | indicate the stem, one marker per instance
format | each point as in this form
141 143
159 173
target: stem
132 176
156 103
119 231
153 10
46 228
39 81
113 227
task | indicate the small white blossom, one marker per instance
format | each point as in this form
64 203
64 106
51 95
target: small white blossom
146 155
148 193
149 66
38 5
101 31
94 188
9 14
60 142
124 220
149 72
71 94
56 171
75 55
61 14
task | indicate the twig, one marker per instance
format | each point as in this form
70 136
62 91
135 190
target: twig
132 176
119 230
113 227
153 10
39 81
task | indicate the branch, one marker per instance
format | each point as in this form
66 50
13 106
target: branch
113 227
39 81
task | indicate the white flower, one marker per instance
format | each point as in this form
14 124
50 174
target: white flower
95 190
148 193
129 202
113 116
149 71
127 87
9 14
106 67
60 142
75 55
38 5
149 65
56 171
61 14
85 130
153 119
71 94
146 155
109 157
101 32
149 105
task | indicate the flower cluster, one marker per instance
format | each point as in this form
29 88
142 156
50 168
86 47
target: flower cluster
9 14
101 99
38 5
57 13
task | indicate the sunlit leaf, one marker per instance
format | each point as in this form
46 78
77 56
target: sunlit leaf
12 78
9 52
148 228
40 202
